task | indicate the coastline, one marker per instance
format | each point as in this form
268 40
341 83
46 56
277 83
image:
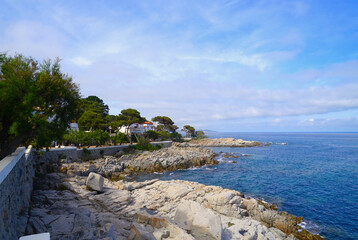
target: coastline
231 206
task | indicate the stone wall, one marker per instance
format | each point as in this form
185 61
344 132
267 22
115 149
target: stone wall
16 184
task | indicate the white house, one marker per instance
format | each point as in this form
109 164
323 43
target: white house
137 128
74 127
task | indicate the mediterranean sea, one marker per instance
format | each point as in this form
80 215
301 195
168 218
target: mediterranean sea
314 176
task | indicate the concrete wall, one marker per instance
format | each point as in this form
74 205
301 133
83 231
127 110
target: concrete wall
16 181
16 184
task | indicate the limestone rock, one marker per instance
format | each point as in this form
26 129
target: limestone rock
219 142
203 223
139 232
95 182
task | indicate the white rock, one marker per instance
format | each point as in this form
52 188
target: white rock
95 182
203 223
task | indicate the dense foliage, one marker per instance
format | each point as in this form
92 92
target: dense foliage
200 135
189 130
143 144
165 124
81 138
37 102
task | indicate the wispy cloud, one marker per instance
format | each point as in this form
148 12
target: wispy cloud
230 63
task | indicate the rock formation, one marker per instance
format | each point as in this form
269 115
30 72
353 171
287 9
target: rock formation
65 204
152 210
219 142
166 159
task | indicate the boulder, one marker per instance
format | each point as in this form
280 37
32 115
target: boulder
202 223
95 182
139 232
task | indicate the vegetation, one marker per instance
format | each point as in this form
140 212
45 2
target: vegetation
128 117
151 134
37 102
144 144
200 135
189 130
165 124
119 138
97 137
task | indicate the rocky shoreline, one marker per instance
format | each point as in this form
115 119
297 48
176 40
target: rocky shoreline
166 159
87 201
221 142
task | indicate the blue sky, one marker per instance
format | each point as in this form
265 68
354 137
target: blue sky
219 65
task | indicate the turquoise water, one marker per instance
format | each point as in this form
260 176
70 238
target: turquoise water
315 176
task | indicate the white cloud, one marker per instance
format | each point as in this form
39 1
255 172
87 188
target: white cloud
33 38
81 61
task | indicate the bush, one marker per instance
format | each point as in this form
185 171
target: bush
164 135
144 144
97 137
120 138
176 137
151 134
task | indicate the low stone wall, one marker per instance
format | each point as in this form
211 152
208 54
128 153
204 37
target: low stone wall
16 184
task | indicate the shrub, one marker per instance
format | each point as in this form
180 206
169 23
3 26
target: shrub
151 134
144 144
120 138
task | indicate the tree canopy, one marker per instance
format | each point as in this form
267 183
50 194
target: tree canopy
130 116
165 124
37 102
189 130
91 113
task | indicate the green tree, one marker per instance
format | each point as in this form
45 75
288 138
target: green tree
189 130
120 138
92 113
90 120
37 102
129 116
99 137
165 124
113 122
94 99
200 135
151 134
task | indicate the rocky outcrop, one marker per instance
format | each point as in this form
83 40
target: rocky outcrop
166 159
219 142
169 159
202 222
153 210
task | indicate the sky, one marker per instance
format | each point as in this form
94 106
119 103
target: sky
244 66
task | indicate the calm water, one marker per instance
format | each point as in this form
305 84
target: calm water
314 176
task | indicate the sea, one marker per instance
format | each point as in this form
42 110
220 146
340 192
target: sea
313 175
